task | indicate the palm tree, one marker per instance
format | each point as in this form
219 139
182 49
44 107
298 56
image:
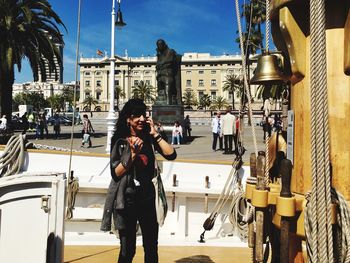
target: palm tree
219 103
88 102
189 99
27 29
144 91
56 102
118 94
275 92
232 84
205 101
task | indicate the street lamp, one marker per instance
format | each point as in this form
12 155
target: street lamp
111 118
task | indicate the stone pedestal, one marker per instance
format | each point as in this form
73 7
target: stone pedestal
167 114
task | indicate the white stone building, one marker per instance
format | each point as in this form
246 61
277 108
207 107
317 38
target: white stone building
200 72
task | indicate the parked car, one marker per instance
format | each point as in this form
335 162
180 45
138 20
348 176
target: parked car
16 123
63 121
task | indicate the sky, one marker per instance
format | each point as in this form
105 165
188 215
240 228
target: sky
204 26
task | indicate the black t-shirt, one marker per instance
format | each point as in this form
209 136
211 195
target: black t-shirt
144 175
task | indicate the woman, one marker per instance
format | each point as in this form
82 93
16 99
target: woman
131 195
177 133
87 131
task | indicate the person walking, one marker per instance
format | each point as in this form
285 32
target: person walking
57 126
228 127
186 128
87 131
131 194
25 123
216 126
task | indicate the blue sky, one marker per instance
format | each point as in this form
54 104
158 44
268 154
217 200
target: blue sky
186 25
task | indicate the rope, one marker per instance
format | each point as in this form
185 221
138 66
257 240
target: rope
246 86
320 235
237 217
267 26
73 189
12 159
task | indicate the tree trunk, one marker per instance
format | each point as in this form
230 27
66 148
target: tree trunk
6 82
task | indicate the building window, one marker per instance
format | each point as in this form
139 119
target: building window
116 82
87 83
188 71
87 94
213 94
200 94
136 72
98 73
148 82
98 95
98 83
201 83
213 82
147 72
200 71
213 72
136 82
188 83
87 73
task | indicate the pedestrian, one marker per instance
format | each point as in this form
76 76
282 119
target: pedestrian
56 126
176 133
45 124
31 121
186 128
228 128
131 194
216 125
3 124
25 123
39 128
87 131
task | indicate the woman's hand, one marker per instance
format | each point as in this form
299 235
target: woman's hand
149 121
136 144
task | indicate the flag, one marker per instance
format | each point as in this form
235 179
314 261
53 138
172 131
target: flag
99 53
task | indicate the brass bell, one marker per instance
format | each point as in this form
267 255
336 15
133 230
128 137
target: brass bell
267 71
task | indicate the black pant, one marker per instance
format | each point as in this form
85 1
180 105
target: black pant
228 143
146 215
215 138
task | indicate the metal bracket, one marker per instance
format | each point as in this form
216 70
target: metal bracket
45 203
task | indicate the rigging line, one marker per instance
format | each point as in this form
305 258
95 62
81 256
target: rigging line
75 90
245 75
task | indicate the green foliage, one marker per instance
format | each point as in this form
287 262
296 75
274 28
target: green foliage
88 102
118 94
219 103
205 101
27 29
56 102
189 99
144 91
233 84
35 99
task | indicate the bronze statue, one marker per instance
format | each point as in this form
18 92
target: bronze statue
168 75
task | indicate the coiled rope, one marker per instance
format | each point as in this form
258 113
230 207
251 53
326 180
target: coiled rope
12 159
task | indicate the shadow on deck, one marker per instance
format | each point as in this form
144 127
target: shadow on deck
189 254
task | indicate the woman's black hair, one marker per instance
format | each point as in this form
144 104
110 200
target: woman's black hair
134 107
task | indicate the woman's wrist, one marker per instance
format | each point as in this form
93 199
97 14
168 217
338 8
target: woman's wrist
157 137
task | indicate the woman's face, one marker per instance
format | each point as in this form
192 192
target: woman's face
137 122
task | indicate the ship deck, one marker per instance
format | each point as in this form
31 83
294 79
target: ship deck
167 254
